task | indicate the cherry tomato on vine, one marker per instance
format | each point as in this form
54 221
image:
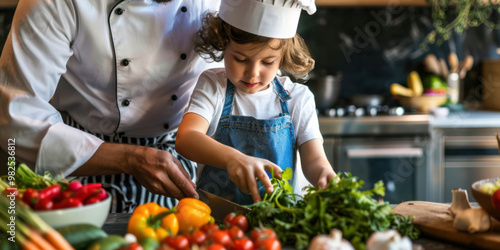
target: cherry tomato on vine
221 236
216 246
242 244
267 244
236 220
198 237
178 242
236 232
260 233
209 228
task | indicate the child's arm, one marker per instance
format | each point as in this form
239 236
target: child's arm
315 165
193 143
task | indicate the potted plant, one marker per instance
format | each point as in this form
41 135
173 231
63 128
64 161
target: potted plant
457 15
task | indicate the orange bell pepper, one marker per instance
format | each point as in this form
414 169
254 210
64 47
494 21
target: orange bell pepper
153 220
192 214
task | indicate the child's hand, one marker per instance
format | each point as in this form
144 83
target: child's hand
325 177
245 170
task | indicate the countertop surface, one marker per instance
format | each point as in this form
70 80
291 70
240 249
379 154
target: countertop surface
474 119
116 223
407 124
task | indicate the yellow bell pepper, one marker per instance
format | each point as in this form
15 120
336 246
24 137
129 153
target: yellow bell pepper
153 220
192 214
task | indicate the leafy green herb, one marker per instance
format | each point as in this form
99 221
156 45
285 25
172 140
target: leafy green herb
457 15
26 178
340 205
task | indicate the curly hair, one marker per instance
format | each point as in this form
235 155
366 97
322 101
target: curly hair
215 34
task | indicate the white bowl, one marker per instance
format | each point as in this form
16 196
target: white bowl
95 214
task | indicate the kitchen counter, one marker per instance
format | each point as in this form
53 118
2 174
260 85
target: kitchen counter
468 119
378 125
116 223
406 124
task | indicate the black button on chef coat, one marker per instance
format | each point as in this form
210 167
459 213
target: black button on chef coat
174 97
184 9
119 11
166 126
125 62
183 56
126 102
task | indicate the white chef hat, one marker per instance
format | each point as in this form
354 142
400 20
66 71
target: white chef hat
268 18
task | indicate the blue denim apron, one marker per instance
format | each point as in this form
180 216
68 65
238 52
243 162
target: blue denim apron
271 139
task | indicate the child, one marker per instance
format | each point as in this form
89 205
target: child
243 119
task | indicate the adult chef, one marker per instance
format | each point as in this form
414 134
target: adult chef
97 88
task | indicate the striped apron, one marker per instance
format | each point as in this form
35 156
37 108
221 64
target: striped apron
125 190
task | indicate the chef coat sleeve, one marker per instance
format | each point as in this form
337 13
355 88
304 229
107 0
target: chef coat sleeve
33 59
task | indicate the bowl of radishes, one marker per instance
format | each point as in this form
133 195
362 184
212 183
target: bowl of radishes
487 194
72 204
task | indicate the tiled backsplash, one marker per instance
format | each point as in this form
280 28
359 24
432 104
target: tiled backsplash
375 47
372 47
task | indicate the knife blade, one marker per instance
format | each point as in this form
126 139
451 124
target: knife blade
220 206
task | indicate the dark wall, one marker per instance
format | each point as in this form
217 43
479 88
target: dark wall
375 47
5 21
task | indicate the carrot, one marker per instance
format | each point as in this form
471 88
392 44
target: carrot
57 240
25 243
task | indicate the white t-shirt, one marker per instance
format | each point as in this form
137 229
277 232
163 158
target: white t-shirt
209 94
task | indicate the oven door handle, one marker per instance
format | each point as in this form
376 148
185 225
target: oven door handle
384 152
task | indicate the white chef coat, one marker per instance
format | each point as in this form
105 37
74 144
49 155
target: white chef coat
116 67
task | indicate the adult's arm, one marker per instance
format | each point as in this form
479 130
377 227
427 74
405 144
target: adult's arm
33 59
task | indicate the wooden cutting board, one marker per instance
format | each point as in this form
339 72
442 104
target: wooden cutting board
434 220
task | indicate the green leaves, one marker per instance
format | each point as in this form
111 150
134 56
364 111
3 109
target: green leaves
340 205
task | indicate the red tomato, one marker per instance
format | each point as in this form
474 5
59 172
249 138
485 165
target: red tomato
209 228
131 246
221 236
216 246
495 199
31 196
260 233
45 204
197 237
178 242
228 218
236 220
236 232
242 244
268 244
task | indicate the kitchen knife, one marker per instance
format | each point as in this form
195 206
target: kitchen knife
220 206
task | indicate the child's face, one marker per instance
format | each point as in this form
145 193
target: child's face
251 67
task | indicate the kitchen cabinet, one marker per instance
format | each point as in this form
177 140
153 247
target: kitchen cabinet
8 3
463 150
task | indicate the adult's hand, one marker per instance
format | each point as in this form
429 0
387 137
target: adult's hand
157 170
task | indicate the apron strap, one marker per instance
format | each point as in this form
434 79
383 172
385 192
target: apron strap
283 94
228 102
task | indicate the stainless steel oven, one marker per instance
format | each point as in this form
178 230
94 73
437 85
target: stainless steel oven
392 149
469 155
